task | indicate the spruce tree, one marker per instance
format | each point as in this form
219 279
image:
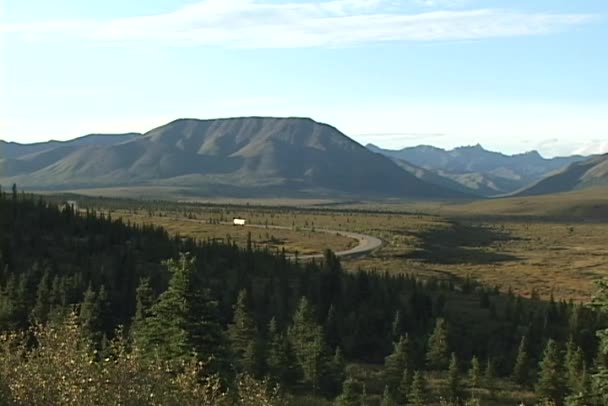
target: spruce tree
185 320
349 396
437 352
520 369
144 299
550 385
418 392
397 362
404 386
42 308
90 314
277 353
475 373
306 336
242 333
453 378
387 399
574 363
600 377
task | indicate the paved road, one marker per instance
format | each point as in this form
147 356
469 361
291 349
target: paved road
367 243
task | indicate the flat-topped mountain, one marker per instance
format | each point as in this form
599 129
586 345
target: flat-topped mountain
252 156
486 172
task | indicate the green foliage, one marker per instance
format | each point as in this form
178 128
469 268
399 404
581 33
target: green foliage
243 336
475 373
600 378
418 394
453 378
551 385
437 352
404 386
184 320
397 362
278 354
387 398
521 368
63 369
349 395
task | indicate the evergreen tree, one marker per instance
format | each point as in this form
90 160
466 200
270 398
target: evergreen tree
90 314
475 373
490 371
309 345
397 362
437 353
42 308
550 385
349 396
242 333
184 320
453 378
574 363
418 395
387 399
520 369
337 365
277 353
600 378
144 299
404 386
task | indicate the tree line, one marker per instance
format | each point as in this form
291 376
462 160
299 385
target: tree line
246 312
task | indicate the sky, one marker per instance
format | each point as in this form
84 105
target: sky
511 75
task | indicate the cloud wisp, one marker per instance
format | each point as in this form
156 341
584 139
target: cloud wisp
261 24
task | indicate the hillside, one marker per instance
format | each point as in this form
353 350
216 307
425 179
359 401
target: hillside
579 175
250 157
484 172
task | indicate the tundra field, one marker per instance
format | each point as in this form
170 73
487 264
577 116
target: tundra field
505 243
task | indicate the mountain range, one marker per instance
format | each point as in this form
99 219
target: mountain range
283 157
486 172
252 156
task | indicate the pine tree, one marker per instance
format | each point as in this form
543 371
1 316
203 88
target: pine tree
550 385
437 353
387 399
242 333
336 375
490 371
475 373
453 378
418 392
520 369
397 362
349 396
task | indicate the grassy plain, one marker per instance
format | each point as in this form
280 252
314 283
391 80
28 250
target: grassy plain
495 242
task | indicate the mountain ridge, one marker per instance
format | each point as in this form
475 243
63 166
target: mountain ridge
288 155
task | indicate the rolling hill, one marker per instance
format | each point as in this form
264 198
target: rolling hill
253 156
580 175
485 172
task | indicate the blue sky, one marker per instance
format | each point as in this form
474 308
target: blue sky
511 75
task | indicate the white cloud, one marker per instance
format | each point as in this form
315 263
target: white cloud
593 147
259 24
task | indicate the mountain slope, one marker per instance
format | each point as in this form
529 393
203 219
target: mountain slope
16 150
579 175
486 172
255 155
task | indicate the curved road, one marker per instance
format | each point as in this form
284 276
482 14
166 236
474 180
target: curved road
367 243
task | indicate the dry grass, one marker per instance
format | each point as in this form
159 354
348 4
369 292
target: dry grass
563 258
301 241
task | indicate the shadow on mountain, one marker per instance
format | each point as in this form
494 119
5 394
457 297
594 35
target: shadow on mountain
461 244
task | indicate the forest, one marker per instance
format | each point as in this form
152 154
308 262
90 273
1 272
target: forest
96 310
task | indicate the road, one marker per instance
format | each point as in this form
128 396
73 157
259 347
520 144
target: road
367 243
